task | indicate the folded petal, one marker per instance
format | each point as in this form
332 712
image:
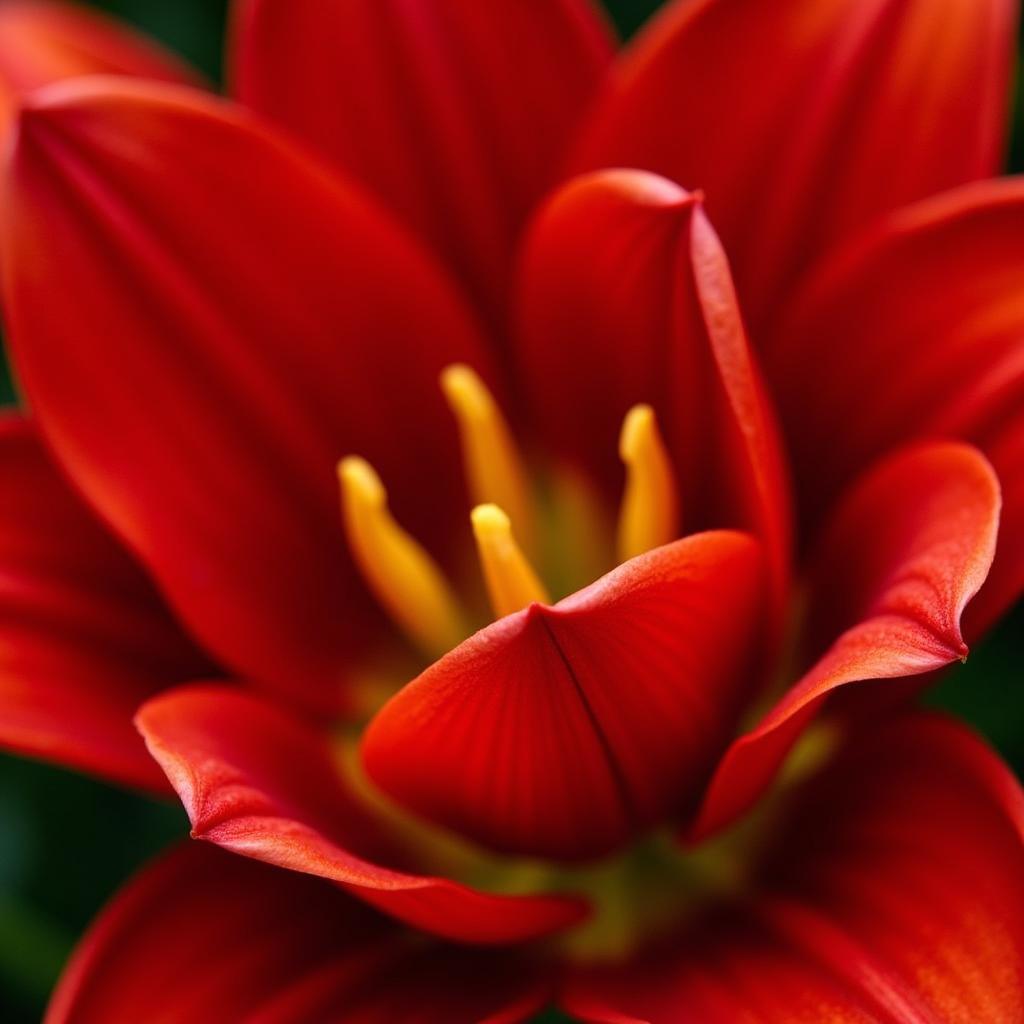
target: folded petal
803 119
902 323
84 637
201 935
455 113
42 41
896 894
265 785
905 552
626 297
205 322
562 731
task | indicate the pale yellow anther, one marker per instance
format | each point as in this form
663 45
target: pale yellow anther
511 582
649 515
494 470
402 576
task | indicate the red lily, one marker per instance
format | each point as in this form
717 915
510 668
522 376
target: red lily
205 319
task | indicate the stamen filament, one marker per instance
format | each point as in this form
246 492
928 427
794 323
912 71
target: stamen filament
649 514
511 582
494 470
402 576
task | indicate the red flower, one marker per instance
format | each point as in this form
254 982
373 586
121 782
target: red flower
205 320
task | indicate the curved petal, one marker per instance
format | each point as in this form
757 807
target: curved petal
626 297
932 338
84 638
201 935
561 731
43 41
897 894
268 786
455 113
1005 582
264 321
790 115
907 549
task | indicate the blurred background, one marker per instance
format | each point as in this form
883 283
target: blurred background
66 843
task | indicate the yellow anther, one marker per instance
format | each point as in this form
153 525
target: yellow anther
649 515
511 581
396 568
494 471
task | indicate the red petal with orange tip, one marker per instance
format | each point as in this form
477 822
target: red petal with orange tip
84 637
43 41
902 324
456 113
202 345
261 783
895 892
789 116
626 297
562 731
201 935
907 549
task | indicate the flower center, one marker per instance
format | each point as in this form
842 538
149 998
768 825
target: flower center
506 519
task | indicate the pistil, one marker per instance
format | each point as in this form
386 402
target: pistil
494 470
400 573
649 514
511 581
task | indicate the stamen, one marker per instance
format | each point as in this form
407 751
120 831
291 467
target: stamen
403 577
511 581
494 470
649 515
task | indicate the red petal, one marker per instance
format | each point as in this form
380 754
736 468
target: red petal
43 41
203 936
789 114
455 112
561 731
906 551
84 638
897 894
626 297
263 322
1005 582
931 340
268 786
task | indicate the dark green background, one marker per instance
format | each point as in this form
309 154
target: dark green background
66 842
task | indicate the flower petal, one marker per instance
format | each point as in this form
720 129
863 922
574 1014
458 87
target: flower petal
790 115
896 894
561 731
268 786
262 325
84 638
626 297
42 41
931 340
455 113
907 549
201 935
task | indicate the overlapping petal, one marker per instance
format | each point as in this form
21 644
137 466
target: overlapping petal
202 343
804 119
42 41
894 893
84 638
201 935
561 731
908 548
905 335
260 783
456 113
626 297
